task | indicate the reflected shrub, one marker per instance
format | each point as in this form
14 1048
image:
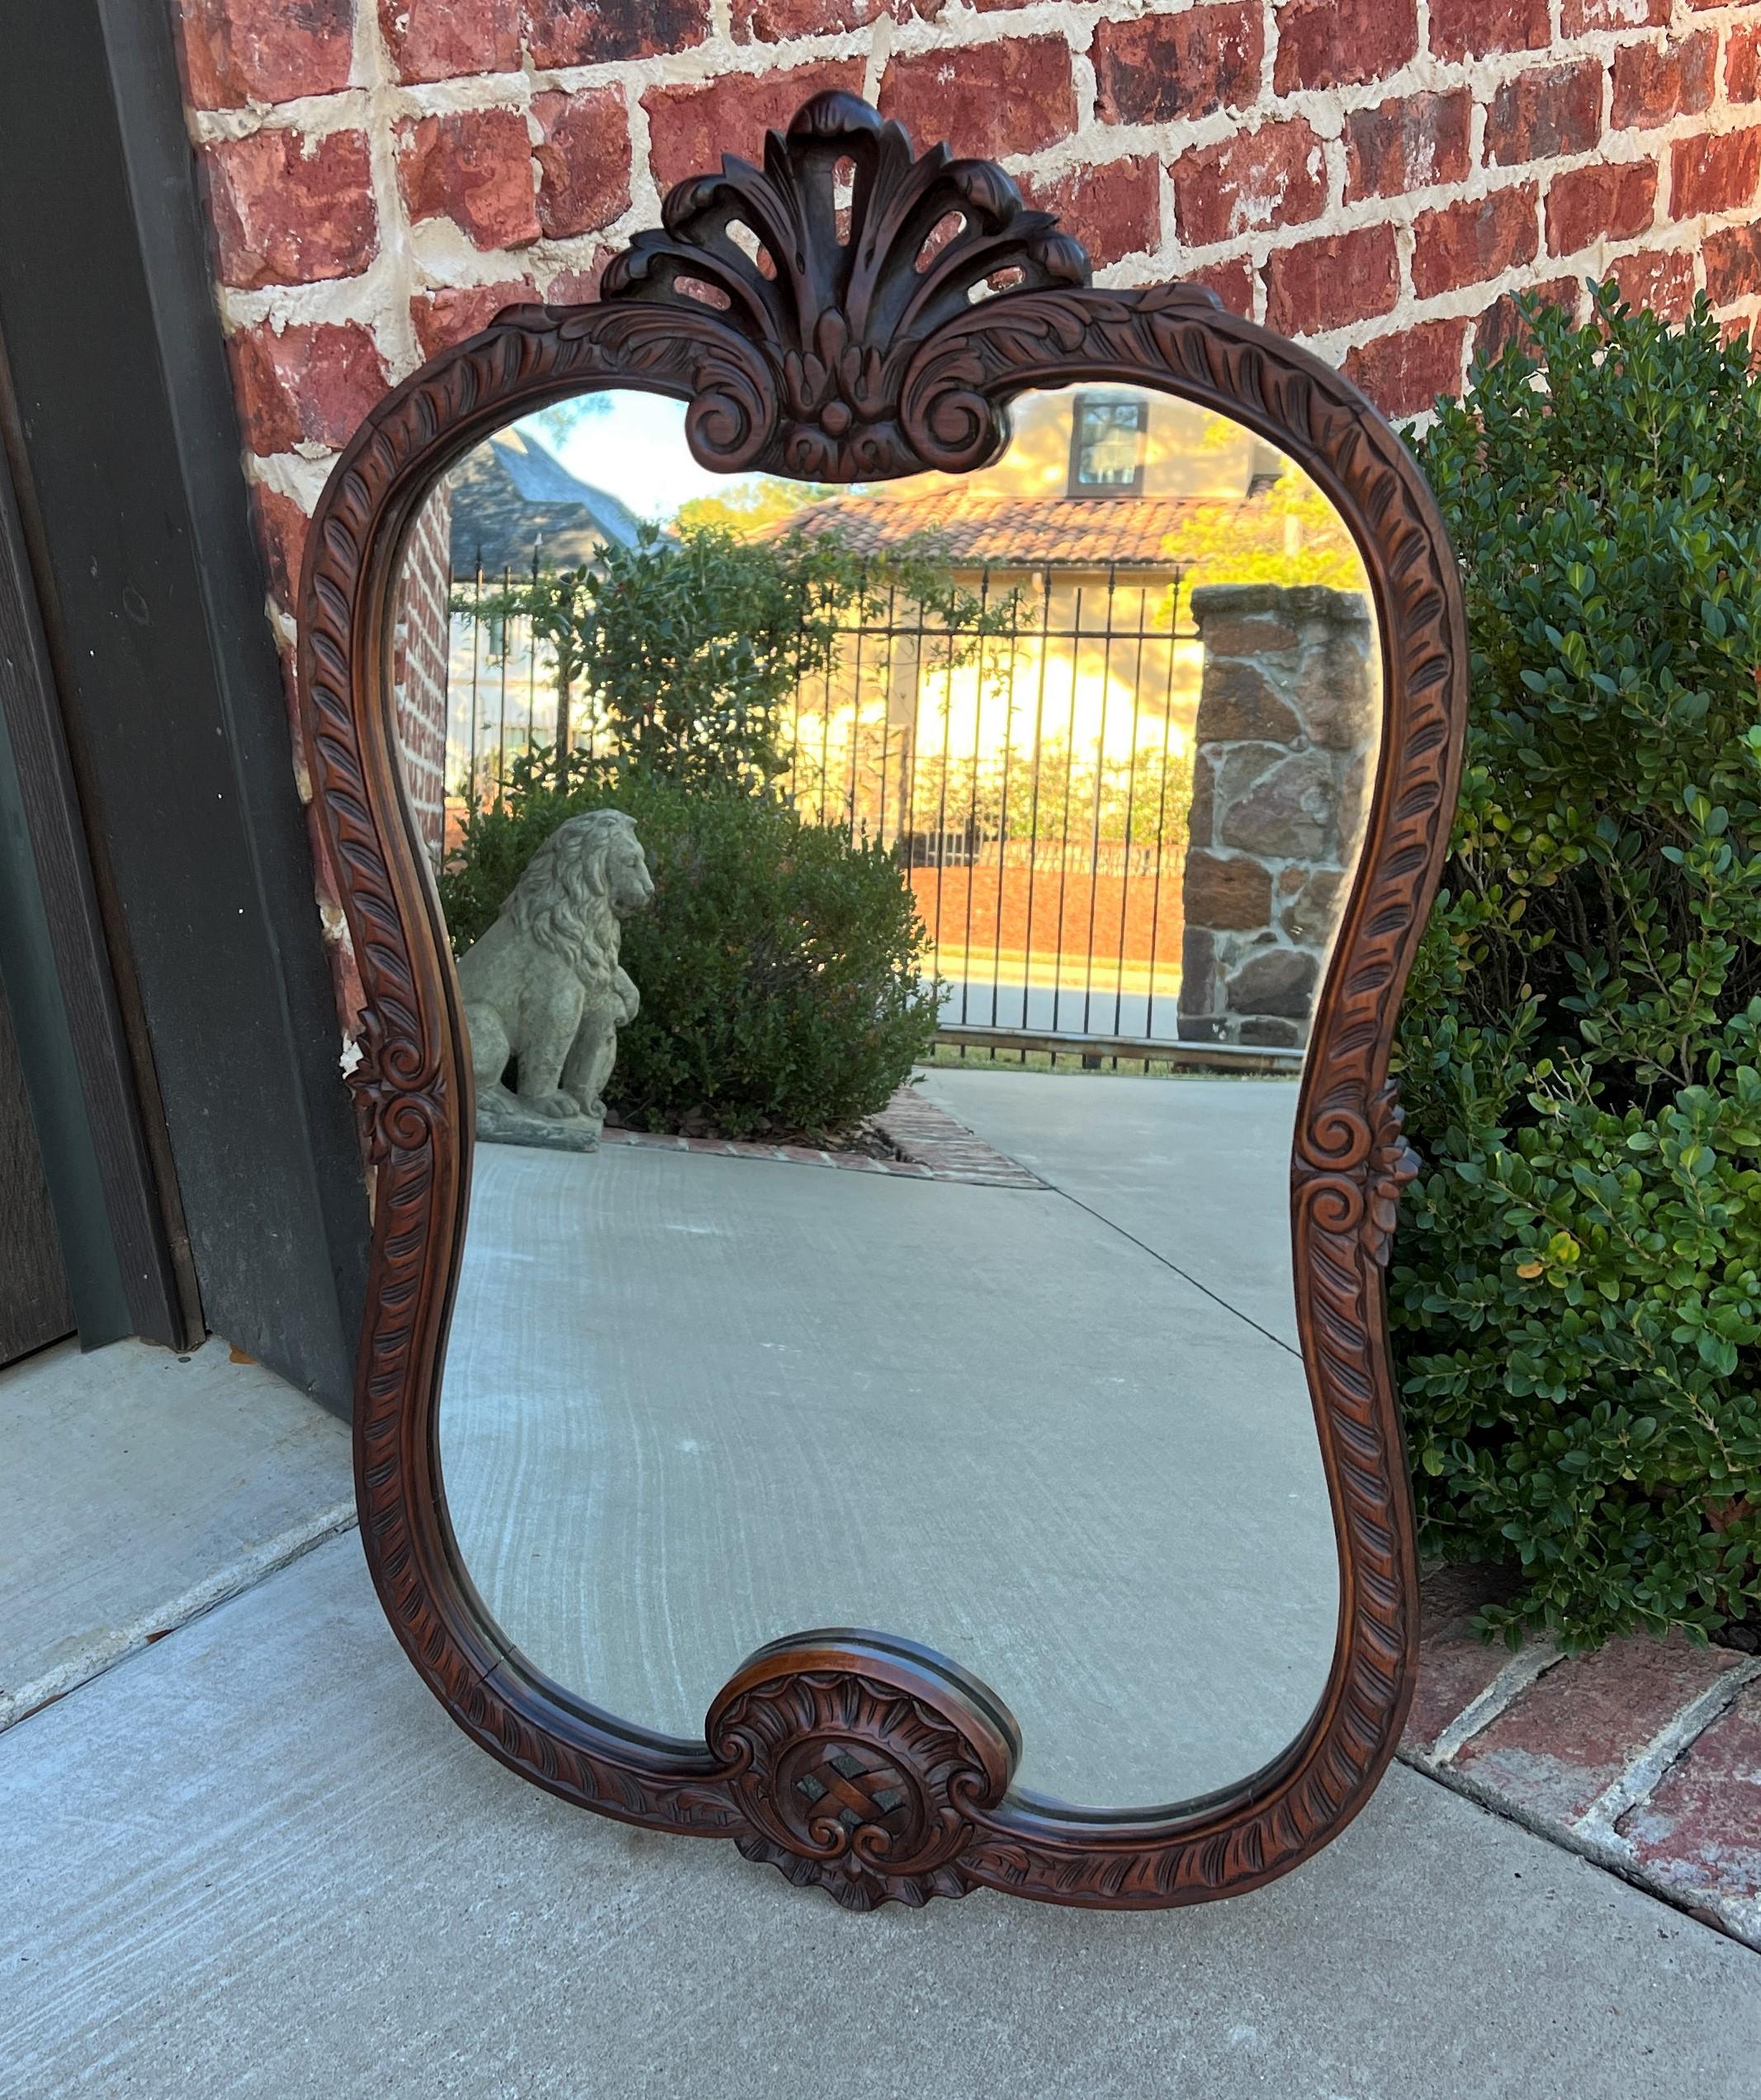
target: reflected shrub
1576 1290
779 964
686 651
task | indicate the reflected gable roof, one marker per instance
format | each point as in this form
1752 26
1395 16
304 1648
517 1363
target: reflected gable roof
512 498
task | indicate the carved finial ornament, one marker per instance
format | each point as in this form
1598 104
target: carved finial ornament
835 296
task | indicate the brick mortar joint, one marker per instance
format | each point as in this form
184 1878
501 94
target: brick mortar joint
922 1130
1662 1752
719 56
409 262
1645 1767
301 473
1093 145
722 55
1728 1917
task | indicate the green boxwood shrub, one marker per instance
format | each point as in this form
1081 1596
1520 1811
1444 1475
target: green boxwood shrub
778 964
1576 1293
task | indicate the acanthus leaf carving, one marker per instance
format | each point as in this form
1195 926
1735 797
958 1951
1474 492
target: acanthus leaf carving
1393 1164
862 1769
1352 1159
396 1101
922 389
837 297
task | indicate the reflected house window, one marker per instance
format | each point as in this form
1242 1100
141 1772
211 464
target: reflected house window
1107 446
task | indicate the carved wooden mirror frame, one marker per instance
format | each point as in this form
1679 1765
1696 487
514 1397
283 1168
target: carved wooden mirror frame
856 354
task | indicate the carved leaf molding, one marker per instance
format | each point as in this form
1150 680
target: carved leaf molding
834 298
916 399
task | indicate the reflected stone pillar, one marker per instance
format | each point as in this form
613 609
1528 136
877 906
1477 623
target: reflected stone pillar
1288 715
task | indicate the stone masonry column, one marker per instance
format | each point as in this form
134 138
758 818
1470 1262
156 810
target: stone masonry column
1289 712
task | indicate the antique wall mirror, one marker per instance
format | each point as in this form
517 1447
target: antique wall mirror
1122 638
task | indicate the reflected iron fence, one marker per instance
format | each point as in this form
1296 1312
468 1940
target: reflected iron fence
1033 779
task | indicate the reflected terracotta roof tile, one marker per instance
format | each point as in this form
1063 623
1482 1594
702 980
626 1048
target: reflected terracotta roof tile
971 528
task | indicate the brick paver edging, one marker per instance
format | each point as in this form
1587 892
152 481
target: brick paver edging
931 1144
1644 1756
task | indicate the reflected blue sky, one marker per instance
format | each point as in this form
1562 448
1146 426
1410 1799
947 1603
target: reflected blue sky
634 446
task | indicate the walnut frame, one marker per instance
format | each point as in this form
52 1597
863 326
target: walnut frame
866 358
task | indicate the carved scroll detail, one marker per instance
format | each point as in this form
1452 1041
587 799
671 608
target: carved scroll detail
1352 1160
837 299
861 1771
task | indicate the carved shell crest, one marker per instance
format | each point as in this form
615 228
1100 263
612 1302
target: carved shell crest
834 295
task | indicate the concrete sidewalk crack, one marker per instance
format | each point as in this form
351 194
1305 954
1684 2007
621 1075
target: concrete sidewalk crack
1112 1224
103 1650
1570 1837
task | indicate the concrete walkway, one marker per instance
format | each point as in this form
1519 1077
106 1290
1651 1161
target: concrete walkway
1197 1169
694 1404
257 1859
138 1488
1645 1756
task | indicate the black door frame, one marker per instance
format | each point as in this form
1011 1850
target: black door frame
125 456
115 1210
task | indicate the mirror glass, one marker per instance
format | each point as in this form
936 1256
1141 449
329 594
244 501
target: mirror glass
889 919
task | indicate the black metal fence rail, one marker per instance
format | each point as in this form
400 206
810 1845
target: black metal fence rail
1033 776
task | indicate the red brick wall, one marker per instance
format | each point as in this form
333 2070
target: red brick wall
1375 176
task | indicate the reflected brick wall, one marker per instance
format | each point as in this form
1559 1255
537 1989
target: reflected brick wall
1374 176
421 640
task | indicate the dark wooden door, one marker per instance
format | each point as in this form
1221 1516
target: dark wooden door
36 1306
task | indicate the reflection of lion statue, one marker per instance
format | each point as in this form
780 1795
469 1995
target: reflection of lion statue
542 990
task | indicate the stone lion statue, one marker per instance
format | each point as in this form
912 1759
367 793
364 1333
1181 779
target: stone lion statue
543 991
